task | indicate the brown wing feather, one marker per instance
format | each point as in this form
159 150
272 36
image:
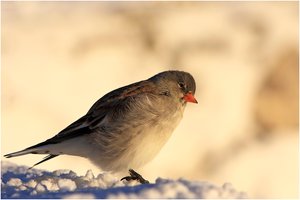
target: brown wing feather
98 111
121 93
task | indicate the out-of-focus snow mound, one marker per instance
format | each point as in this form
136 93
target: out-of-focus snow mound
19 182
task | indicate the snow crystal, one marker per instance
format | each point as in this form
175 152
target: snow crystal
79 196
22 187
50 185
40 188
107 180
14 182
66 184
20 183
89 175
60 172
31 183
33 193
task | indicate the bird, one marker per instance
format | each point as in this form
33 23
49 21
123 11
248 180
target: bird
127 127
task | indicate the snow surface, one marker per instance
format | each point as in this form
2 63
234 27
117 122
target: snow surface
19 182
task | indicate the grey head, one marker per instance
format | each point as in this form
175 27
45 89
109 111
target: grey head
178 84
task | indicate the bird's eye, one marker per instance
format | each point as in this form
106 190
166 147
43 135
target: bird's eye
181 85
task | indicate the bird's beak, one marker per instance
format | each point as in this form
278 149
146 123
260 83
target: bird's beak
189 97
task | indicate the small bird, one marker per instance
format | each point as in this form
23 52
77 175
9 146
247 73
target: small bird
125 128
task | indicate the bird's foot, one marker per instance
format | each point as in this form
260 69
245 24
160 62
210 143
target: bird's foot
135 176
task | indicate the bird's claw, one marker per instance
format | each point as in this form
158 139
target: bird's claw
135 176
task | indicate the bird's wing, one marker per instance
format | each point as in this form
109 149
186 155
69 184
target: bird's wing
112 100
75 129
116 96
109 103
118 101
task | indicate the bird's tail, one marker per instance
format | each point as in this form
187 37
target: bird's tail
32 151
21 153
35 149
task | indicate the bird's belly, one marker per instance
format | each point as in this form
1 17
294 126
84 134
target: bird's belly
146 145
134 147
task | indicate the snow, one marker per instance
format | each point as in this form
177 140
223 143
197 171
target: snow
19 182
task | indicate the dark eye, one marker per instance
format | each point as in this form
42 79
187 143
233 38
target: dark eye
181 85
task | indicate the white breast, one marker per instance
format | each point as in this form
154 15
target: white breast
136 145
148 144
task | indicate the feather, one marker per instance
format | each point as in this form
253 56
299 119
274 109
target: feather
50 156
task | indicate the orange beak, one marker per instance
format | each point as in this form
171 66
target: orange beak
189 97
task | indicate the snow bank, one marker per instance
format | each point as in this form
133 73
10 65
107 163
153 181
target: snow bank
19 182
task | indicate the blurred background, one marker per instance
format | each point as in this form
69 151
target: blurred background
58 58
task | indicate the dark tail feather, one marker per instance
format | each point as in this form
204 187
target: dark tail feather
50 156
21 153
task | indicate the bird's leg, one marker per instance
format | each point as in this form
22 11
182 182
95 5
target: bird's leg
135 176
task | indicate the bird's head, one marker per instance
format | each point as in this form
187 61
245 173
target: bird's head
177 84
